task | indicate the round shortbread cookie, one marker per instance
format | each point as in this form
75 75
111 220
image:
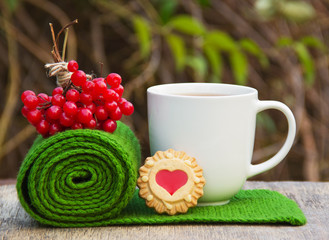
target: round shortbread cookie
170 182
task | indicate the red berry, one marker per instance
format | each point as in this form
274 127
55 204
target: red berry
31 102
43 127
110 106
66 120
54 128
72 66
58 100
100 101
100 98
42 110
100 87
72 95
98 79
84 115
94 95
122 101
88 86
127 108
78 78
91 124
91 107
70 108
111 95
101 113
25 111
115 114
43 98
119 90
114 80
109 126
54 112
86 98
58 90
77 126
34 116
26 93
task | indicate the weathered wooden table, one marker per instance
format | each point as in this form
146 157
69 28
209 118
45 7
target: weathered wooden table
313 198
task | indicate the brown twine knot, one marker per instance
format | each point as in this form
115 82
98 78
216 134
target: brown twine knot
63 76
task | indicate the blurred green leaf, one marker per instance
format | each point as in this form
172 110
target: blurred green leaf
263 119
204 3
311 41
265 8
198 64
297 11
167 8
12 4
251 47
306 61
239 65
177 47
187 24
220 40
143 34
285 42
214 79
215 60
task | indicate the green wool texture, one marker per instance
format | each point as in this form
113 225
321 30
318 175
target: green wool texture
258 206
79 178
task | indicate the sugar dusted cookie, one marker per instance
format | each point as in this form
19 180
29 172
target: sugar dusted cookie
171 182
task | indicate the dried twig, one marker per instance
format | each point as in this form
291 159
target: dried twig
66 26
26 42
150 10
31 28
311 164
97 38
65 43
16 140
55 52
53 10
14 77
148 71
241 25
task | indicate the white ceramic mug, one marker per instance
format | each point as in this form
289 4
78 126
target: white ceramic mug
215 123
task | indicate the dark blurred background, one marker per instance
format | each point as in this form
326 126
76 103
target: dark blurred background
279 47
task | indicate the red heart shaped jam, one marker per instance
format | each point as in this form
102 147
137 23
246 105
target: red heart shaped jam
171 181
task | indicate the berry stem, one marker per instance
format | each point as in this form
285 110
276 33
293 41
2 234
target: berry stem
44 105
63 28
54 52
68 86
102 64
65 42
43 99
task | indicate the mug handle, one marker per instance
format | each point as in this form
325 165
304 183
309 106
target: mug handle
277 158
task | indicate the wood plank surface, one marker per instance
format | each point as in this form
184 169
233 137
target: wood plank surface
7 181
313 198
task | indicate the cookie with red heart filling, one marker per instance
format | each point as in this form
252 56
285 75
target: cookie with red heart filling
171 182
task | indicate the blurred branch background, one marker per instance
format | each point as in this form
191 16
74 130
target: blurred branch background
279 47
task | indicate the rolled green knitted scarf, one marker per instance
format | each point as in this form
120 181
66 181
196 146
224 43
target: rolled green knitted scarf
79 177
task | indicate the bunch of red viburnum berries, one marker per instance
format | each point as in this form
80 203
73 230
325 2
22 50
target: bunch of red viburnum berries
93 104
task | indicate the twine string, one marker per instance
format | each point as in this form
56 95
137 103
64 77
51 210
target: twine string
63 76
